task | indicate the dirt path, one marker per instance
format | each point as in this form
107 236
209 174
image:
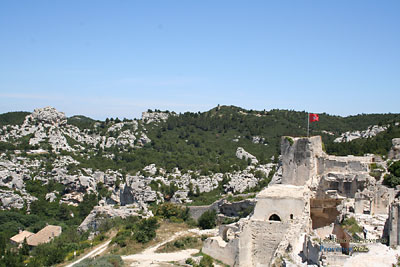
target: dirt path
92 253
150 258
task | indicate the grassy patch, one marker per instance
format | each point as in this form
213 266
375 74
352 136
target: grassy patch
351 225
206 198
180 243
232 198
165 231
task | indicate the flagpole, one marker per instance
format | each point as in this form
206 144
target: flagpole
308 123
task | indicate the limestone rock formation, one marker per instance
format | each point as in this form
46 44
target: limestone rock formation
99 213
149 117
48 115
395 151
13 200
370 132
243 154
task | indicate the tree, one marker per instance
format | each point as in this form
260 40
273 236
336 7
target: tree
25 248
208 219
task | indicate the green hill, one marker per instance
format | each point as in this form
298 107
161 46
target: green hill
82 122
13 118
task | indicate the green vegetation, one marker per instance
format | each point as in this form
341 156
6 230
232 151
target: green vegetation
172 212
181 243
81 122
393 178
41 213
208 219
351 225
379 144
136 229
13 118
232 198
206 198
203 141
290 140
103 261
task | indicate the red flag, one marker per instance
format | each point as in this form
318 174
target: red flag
314 117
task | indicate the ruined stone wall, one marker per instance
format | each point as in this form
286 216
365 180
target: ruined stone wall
235 209
383 197
259 241
227 252
197 211
343 164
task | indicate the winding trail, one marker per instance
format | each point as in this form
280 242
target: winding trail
149 257
92 253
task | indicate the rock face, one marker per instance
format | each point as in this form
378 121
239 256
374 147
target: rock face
48 115
241 180
12 200
299 156
99 213
242 154
394 153
149 117
48 127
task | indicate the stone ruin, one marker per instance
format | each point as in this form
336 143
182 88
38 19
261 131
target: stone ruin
310 195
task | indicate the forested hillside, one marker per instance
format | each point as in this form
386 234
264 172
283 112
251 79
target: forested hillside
12 118
210 139
207 141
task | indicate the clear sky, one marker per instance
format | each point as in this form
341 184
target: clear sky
118 58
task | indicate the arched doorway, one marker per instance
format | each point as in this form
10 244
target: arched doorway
274 217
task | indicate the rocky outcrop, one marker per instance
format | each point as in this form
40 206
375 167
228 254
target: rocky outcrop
48 127
258 140
370 132
299 159
47 115
149 117
14 200
242 180
394 152
243 154
99 213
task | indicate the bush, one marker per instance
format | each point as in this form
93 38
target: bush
190 261
172 212
208 219
180 244
351 225
206 261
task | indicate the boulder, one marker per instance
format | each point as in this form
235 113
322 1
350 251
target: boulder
243 154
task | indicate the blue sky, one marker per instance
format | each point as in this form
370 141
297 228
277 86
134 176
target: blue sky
118 58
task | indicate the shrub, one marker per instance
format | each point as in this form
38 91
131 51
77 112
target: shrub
190 261
172 212
208 219
290 140
206 261
146 230
351 225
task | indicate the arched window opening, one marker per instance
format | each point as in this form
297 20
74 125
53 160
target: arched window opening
274 217
291 216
